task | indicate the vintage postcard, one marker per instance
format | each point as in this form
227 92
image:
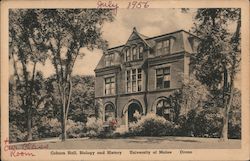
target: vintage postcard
125 80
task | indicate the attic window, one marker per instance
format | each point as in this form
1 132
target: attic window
140 52
163 47
134 53
109 59
128 56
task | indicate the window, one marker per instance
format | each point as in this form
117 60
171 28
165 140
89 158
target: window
159 48
139 81
134 53
109 59
164 109
128 56
134 80
109 112
140 52
163 78
166 47
163 47
109 85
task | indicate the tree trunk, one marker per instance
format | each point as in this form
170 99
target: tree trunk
29 125
224 133
63 122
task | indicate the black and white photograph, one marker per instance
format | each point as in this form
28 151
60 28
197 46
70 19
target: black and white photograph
124 78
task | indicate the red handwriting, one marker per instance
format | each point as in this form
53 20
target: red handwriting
138 4
18 152
108 5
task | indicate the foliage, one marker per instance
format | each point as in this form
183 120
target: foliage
193 92
215 52
94 127
65 32
234 129
75 129
151 125
16 134
200 123
83 98
208 123
26 52
49 127
192 95
217 60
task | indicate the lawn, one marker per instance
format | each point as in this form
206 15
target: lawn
142 143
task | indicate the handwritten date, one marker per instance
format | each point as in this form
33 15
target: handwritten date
138 4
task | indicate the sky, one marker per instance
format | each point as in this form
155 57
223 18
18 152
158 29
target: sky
149 22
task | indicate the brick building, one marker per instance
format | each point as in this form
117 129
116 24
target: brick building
138 77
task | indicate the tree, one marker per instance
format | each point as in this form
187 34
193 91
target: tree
66 31
26 52
218 57
83 98
194 93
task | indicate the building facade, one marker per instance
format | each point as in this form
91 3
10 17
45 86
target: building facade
138 77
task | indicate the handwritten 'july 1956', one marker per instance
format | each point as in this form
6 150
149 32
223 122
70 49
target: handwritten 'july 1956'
114 5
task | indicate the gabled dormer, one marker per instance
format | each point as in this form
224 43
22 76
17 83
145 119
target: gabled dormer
136 46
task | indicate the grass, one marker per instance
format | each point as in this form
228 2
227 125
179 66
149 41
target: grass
167 142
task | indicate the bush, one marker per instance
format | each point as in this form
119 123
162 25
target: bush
94 127
234 129
151 125
200 123
16 134
50 127
75 129
208 123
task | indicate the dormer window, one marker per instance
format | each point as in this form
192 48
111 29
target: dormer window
163 47
109 59
128 57
134 53
140 52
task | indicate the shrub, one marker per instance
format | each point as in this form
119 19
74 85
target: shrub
50 127
151 125
200 122
94 127
234 129
75 129
208 123
16 134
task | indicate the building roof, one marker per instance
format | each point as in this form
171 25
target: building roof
184 41
150 40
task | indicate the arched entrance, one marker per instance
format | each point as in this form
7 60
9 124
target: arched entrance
132 111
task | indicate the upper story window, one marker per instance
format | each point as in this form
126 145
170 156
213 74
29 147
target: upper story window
128 56
163 78
109 59
134 80
163 47
140 52
110 86
134 53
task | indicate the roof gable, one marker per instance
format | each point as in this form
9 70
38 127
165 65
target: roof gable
137 36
